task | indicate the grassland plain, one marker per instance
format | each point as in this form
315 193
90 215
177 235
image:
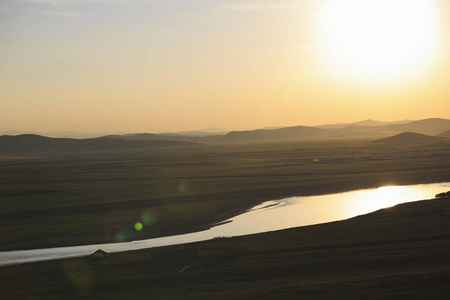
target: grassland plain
61 199
397 253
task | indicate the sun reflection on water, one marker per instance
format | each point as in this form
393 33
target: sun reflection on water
268 216
383 197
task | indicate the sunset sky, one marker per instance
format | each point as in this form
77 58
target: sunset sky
173 65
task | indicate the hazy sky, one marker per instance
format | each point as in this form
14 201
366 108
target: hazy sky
172 65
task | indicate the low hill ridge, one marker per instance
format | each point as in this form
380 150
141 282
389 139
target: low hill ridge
294 132
409 138
31 143
367 129
445 134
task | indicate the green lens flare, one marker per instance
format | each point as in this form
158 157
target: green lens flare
121 236
138 226
183 187
148 217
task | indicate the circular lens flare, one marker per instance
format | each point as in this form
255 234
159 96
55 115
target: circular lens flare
138 226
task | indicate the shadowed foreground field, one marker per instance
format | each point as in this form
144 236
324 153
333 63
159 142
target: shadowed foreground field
52 199
397 253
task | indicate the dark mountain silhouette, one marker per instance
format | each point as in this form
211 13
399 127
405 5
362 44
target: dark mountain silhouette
445 134
361 131
368 129
60 134
199 133
367 122
426 126
150 137
375 129
30 143
295 132
409 138
370 122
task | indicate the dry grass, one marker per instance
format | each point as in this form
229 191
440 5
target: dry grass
82 198
397 253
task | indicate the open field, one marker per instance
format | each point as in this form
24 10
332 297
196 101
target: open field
96 197
397 253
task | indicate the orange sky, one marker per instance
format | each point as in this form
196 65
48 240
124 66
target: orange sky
158 66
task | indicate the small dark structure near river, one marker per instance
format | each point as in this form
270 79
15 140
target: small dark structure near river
100 254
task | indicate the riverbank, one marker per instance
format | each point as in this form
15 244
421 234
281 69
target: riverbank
269 216
61 200
396 253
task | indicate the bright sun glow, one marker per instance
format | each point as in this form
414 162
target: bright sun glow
378 40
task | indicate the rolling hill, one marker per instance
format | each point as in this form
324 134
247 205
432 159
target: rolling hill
367 122
367 129
151 137
30 143
445 134
409 138
427 126
285 133
295 132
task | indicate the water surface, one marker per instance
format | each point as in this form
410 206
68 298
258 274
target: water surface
268 216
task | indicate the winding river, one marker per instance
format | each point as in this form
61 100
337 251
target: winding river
268 216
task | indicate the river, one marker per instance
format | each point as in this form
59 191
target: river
268 216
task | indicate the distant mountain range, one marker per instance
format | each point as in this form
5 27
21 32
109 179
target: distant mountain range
401 131
295 132
410 138
367 122
204 132
445 134
374 130
30 143
62 134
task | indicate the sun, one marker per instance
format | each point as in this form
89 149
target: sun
378 40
